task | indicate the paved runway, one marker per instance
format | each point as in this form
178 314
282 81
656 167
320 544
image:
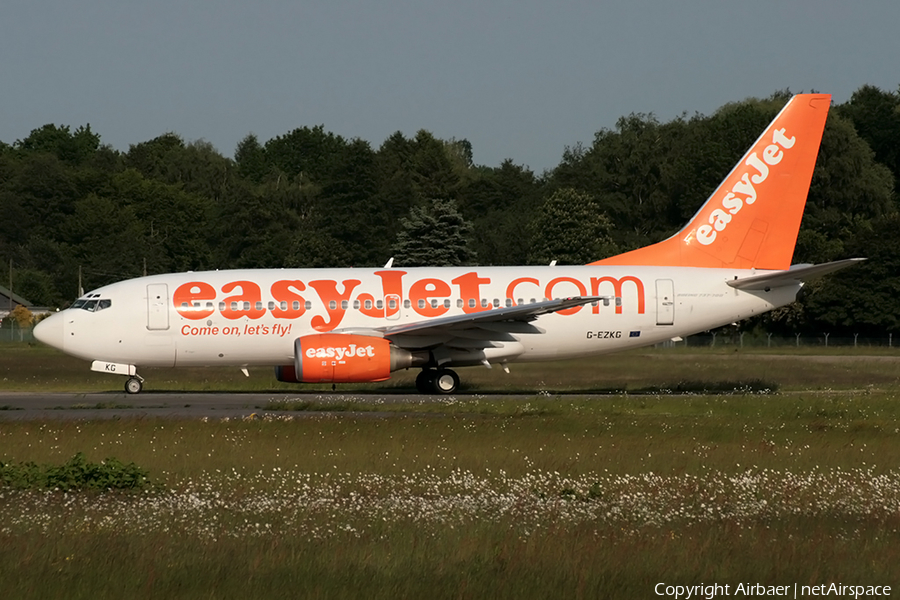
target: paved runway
113 405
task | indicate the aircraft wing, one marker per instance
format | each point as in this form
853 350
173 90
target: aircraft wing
475 331
796 274
516 314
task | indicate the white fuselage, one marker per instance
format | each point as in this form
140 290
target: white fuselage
252 317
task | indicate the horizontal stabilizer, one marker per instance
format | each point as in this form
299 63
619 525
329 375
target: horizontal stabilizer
793 276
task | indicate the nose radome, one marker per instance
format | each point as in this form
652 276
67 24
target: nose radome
50 331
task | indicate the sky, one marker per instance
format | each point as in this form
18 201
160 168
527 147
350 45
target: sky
520 80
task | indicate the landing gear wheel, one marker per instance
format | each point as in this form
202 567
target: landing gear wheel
424 383
445 381
134 385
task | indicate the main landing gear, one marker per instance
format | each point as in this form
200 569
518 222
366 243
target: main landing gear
437 381
134 385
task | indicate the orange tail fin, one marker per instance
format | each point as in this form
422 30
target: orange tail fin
753 217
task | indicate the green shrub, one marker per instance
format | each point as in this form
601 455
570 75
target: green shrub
75 474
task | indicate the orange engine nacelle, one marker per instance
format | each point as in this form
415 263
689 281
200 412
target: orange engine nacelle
343 358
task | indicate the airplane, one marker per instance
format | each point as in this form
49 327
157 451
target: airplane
730 262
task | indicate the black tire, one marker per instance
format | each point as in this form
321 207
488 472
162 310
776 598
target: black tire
445 381
424 381
133 385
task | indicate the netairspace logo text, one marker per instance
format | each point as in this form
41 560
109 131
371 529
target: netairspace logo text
686 592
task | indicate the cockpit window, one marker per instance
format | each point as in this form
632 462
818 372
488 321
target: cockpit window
92 305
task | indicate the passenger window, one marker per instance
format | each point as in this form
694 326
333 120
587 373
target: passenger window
246 306
520 302
307 305
509 303
392 303
345 305
368 304
234 305
484 303
296 305
496 303
446 303
332 305
221 306
434 303
284 305
459 303
421 303
379 304
406 303
271 305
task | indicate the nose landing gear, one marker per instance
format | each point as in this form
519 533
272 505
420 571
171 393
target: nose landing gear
437 381
134 384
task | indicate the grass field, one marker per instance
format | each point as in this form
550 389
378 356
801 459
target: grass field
552 496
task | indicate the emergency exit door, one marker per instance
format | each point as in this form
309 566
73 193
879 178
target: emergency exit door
665 302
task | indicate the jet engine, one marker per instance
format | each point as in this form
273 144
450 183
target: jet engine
345 358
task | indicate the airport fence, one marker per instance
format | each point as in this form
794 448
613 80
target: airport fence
756 340
16 334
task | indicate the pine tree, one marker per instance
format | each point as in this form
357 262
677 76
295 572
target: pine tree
435 235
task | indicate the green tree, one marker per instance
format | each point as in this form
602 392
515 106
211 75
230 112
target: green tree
305 150
152 158
250 157
72 148
434 236
175 224
349 210
104 237
848 185
570 229
497 201
864 298
876 116
37 287
625 172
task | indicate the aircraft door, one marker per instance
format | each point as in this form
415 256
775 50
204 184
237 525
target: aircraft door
157 307
665 302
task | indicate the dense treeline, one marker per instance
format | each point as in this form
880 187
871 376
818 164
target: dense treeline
312 198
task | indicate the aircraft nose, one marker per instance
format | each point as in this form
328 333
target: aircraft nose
50 331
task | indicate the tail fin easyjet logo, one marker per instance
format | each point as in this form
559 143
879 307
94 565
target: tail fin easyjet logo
753 217
743 192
